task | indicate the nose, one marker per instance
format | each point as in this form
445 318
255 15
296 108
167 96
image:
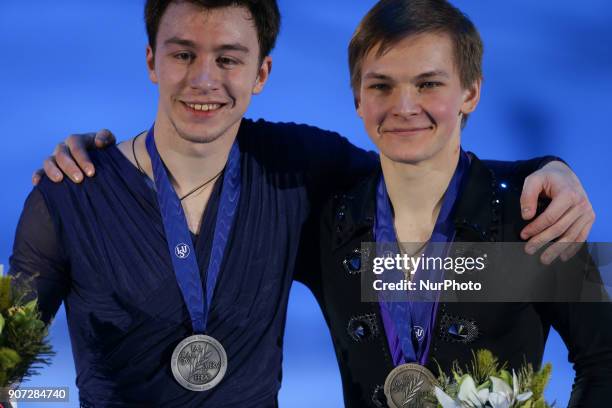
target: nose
406 102
204 75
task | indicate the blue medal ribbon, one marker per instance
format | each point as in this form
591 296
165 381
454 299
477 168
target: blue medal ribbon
408 324
178 236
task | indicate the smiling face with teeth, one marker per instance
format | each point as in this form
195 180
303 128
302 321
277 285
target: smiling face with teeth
207 66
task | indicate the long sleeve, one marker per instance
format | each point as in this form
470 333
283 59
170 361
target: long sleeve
586 329
38 260
517 171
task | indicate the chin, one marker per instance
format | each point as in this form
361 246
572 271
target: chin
417 151
401 153
199 133
406 158
199 137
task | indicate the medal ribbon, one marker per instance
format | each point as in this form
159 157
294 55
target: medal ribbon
178 236
400 316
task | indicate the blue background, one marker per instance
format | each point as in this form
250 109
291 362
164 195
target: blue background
76 66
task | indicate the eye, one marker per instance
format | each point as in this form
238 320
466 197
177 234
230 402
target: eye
429 85
227 61
184 56
379 87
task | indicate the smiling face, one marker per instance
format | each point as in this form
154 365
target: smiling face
411 99
207 65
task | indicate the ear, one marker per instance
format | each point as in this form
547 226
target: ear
471 97
262 75
357 102
151 65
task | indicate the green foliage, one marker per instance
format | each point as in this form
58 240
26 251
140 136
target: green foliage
484 365
5 294
8 358
539 381
23 335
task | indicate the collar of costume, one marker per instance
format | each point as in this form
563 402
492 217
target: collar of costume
178 236
409 323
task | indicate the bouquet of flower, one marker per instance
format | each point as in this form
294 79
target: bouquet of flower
23 335
488 384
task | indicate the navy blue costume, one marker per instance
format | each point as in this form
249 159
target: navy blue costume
100 248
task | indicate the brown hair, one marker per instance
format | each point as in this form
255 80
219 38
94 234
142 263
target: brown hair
390 21
265 14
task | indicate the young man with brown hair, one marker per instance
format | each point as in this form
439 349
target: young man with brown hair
416 76
174 262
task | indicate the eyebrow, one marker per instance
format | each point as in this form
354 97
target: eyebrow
225 47
424 75
430 74
376 75
234 47
180 41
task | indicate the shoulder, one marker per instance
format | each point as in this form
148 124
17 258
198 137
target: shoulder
106 162
328 159
496 175
285 130
348 215
506 183
295 139
490 200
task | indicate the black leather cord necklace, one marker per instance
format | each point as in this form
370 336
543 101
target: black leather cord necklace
201 186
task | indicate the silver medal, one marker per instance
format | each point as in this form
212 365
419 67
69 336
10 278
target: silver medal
408 385
199 362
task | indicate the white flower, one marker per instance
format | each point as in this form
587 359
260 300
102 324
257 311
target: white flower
468 395
445 400
519 397
502 396
499 396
